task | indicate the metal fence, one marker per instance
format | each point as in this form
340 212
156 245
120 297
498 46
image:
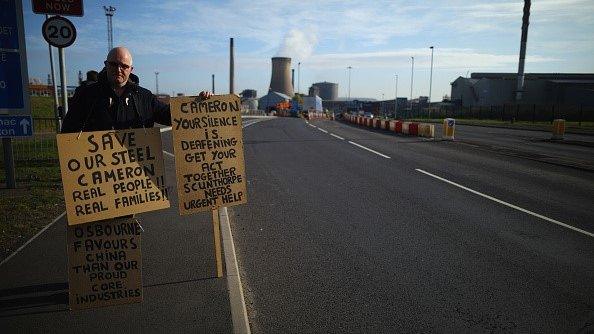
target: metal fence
39 147
511 112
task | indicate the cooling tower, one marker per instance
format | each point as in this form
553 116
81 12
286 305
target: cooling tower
280 81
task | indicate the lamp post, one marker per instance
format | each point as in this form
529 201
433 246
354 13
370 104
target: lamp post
299 78
349 91
109 11
383 105
396 97
431 75
412 76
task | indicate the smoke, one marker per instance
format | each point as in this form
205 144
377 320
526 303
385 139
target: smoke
297 44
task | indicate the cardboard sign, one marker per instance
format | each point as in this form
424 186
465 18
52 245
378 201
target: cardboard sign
208 147
109 174
104 263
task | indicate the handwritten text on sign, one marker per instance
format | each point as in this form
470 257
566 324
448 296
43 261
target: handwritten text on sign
208 145
104 263
109 174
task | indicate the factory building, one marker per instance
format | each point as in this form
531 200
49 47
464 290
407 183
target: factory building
272 98
249 93
326 90
312 103
496 89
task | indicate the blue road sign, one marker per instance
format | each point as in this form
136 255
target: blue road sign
9 33
11 81
16 126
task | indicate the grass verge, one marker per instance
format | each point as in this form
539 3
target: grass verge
37 200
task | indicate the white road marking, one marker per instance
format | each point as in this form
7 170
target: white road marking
239 315
34 237
370 150
508 204
324 131
337 136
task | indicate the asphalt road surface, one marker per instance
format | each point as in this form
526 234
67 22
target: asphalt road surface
351 230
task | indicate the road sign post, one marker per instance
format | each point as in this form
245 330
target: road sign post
61 33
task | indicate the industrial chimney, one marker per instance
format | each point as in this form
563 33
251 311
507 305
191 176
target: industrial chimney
280 81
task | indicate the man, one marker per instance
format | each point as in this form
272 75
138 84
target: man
115 101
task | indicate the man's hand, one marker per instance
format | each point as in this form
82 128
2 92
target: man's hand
205 95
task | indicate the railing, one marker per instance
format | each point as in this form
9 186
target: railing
39 147
507 113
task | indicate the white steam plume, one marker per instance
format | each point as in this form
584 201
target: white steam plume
297 44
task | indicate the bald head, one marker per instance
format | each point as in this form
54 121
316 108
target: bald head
119 66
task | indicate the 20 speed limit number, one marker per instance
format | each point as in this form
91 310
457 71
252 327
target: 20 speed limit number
58 31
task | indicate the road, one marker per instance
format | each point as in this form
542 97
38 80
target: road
351 230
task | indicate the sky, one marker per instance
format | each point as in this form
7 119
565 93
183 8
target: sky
188 41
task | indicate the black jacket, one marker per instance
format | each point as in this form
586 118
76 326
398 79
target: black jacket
96 107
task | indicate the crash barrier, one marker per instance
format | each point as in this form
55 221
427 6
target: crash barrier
449 127
408 128
558 129
317 115
426 130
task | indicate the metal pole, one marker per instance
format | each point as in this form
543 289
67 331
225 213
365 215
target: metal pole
231 68
213 86
63 80
299 77
412 76
431 76
349 95
109 11
156 82
525 22
396 97
9 163
53 73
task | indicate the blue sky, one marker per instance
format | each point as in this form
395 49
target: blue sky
187 41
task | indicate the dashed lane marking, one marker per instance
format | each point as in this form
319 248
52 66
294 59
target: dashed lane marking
370 150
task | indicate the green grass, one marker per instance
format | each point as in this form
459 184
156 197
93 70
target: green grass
42 106
27 209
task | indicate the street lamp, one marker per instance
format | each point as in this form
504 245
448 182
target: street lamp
412 76
349 92
298 77
109 11
431 75
396 97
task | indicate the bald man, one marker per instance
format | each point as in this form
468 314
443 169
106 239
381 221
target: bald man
115 101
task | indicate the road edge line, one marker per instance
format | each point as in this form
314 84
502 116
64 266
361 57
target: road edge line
33 238
239 315
534 214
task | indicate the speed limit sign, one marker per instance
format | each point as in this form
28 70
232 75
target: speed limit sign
58 31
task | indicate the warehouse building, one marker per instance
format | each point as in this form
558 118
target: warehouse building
495 89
